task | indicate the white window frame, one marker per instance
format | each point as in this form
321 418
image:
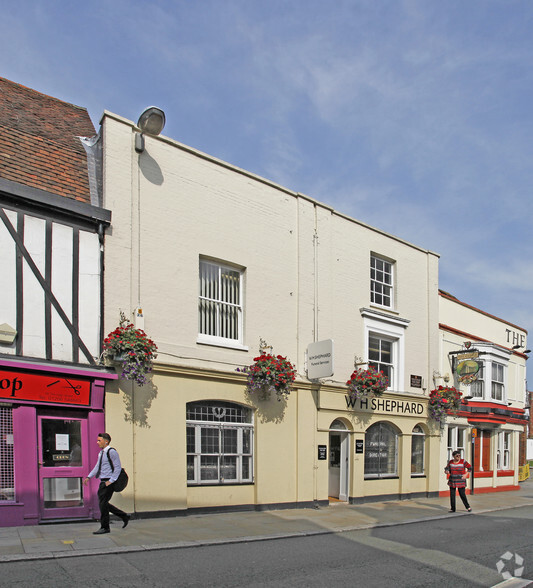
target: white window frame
456 440
497 381
197 427
417 433
477 387
493 356
219 304
393 329
382 287
503 454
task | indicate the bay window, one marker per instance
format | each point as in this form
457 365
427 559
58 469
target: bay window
492 376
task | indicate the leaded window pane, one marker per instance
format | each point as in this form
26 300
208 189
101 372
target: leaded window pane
228 467
246 441
246 468
190 440
209 468
210 440
229 440
224 412
190 468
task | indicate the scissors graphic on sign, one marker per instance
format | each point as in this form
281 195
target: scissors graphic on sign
75 388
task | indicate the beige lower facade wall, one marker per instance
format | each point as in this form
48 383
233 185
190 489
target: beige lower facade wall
148 427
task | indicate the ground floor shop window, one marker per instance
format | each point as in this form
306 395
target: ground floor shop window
504 451
456 441
381 451
219 443
418 441
7 470
482 457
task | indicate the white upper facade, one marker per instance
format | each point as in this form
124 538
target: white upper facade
219 259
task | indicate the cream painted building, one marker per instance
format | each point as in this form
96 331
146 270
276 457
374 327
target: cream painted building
487 429
219 259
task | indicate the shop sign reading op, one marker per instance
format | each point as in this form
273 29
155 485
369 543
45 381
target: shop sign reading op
58 389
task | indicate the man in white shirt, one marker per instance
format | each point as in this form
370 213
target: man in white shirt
107 469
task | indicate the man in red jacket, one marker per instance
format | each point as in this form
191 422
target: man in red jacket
458 469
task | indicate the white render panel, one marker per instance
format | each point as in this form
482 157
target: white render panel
62 289
89 297
33 299
8 306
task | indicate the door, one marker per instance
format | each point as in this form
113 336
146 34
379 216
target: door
338 465
62 467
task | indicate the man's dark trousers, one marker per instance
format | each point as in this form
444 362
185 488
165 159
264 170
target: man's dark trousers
104 496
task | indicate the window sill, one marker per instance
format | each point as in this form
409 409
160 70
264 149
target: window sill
375 306
488 474
418 475
218 342
210 484
384 477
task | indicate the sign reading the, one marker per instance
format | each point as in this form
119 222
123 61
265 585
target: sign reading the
322 452
44 388
359 446
320 359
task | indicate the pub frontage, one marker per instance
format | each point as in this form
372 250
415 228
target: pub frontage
379 448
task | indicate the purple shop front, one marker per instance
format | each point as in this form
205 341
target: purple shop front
50 416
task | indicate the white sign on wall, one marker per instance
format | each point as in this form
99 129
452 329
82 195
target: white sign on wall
320 359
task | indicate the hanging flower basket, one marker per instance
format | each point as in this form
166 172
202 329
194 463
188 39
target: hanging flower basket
133 349
365 382
443 400
269 373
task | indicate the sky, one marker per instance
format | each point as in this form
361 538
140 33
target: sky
414 116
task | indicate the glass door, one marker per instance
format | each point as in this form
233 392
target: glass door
62 467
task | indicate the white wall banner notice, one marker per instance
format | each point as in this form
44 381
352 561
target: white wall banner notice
320 359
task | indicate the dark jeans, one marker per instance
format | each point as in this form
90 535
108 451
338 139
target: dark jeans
104 496
462 494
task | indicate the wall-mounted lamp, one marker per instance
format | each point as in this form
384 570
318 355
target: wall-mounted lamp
509 404
516 346
151 122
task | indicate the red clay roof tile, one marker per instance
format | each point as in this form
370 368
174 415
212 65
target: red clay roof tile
39 144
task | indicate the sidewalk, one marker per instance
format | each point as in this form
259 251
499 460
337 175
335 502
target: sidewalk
77 539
